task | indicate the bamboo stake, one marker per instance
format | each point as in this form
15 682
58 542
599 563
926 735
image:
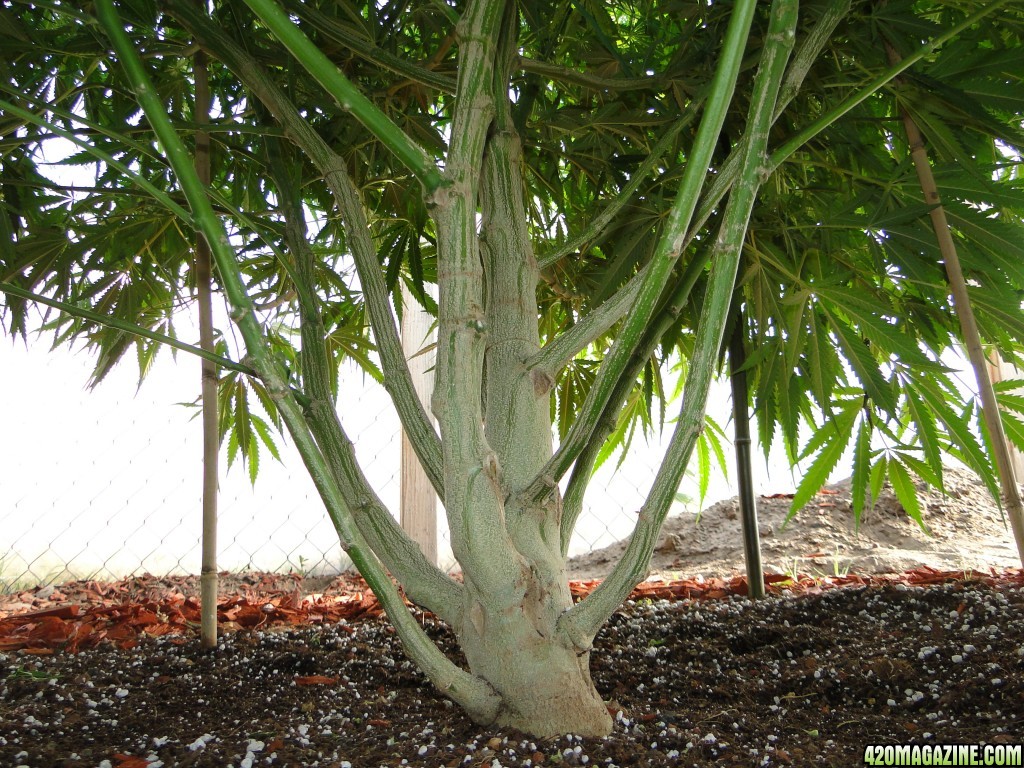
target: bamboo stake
968 325
211 444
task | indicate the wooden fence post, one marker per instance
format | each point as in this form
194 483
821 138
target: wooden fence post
418 500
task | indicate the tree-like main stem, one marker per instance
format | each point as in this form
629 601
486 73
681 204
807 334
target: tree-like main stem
542 679
336 110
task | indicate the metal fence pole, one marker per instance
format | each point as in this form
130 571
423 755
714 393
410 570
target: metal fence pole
744 471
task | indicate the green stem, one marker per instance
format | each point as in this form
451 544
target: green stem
475 695
665 256
583 467
347 95
122 325
397 378
367 51
555 355
425 584
582 622
809 51
562 74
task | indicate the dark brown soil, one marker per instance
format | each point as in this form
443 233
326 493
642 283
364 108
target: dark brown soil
805 680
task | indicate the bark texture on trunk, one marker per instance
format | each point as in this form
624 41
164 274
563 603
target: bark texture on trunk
542 679
495 423
526 644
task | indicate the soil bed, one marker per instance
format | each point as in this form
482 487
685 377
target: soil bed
729 682
966 530
99 675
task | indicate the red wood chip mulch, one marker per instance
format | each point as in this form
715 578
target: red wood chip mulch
86 613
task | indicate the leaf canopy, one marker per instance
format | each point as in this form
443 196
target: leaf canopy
844 298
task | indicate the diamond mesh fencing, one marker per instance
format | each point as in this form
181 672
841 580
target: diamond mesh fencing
107 484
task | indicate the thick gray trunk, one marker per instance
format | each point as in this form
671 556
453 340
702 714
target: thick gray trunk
542 680
509 629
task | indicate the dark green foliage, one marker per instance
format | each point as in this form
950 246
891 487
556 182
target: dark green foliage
841 280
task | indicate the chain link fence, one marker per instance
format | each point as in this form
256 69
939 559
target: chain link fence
107 483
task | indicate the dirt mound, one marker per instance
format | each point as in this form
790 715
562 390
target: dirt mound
966 530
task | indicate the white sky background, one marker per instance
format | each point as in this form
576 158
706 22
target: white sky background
110 478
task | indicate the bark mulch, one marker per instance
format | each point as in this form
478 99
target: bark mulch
307 673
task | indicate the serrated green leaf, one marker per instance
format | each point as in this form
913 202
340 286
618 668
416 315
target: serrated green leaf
703 468
269 407
253 458
956 425
820 357
265 435
878 473
991 476
242 422
864 364
790 388
997 241
924 422
838 432
765 401
922 469
225 404
823 433
714 434
757 356
869 316
622 436
1009 386
232 446
942 139
905 490
1013 427
883 219
861 462
1008 317
974 188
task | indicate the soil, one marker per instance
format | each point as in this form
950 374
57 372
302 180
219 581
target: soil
965 530
306 672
